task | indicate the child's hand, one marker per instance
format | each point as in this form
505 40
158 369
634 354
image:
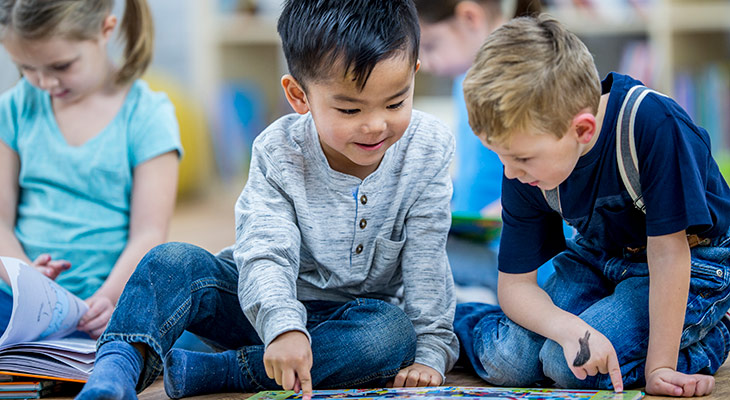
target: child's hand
668 382
50 268
592 354
417 375
95 320
288 360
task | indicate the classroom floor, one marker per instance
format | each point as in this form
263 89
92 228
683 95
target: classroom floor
207 220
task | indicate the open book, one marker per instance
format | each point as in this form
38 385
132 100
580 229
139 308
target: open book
35 342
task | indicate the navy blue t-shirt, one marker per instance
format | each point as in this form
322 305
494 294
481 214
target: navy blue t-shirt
681 184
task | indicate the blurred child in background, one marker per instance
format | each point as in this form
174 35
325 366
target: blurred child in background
451 33
88 154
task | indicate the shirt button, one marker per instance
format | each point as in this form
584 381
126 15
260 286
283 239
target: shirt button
363 223
364 199
358 249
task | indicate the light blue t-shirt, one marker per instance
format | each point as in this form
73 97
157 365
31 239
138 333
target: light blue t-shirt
74 201
478 171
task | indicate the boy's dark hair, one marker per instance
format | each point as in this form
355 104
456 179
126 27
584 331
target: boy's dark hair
318 35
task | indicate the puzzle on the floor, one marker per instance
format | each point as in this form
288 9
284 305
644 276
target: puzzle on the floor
452 392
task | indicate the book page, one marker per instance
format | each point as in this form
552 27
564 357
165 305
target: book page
42 309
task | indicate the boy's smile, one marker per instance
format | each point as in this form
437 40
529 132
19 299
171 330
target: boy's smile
355 126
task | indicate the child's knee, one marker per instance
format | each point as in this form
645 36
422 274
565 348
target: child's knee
556 369
390 334
165 261
507 353
554 365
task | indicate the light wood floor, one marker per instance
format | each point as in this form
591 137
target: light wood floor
208 221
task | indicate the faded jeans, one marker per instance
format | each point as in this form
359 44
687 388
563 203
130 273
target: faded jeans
611 294
178 287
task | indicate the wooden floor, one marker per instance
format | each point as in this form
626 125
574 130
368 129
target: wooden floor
208 221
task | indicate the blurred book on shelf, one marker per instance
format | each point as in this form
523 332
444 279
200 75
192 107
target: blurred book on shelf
705 94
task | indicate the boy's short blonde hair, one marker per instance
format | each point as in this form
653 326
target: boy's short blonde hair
531 73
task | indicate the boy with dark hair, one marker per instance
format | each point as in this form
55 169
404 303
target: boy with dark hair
339 275
638 297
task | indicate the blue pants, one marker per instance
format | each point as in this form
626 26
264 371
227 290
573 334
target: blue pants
6 309
178 287
612 295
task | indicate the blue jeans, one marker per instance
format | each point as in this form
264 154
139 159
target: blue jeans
6 310
610 293
178 287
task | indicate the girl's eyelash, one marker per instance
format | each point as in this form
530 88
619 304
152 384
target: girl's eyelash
349 111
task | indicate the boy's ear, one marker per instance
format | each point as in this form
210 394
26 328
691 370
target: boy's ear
295 94
584 124
107 26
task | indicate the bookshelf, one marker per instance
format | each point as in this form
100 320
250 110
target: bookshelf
679 47
680 34
662 42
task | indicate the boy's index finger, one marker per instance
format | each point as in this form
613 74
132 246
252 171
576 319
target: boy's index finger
614 371
305 380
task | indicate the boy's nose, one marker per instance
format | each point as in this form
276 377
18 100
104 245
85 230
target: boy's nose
375 125
511 172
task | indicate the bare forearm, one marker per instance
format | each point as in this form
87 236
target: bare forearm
529 306
10 246
669 270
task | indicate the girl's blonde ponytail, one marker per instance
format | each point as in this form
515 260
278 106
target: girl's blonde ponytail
138 33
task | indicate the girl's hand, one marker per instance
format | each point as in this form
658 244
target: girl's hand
288 360
417 375
50 268
95 320
668 382
592 354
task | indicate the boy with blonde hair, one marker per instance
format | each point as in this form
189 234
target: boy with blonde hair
639 295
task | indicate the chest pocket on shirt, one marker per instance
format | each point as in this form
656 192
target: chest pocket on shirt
386 262
109 175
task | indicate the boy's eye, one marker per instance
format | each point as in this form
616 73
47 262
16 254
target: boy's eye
521 159
348 111
396 106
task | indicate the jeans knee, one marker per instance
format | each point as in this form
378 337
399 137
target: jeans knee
556 368
507 353
167 261
390 337
554 365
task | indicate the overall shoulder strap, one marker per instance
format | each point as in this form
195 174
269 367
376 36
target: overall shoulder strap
628 162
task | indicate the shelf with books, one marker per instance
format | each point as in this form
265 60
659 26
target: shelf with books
678 33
